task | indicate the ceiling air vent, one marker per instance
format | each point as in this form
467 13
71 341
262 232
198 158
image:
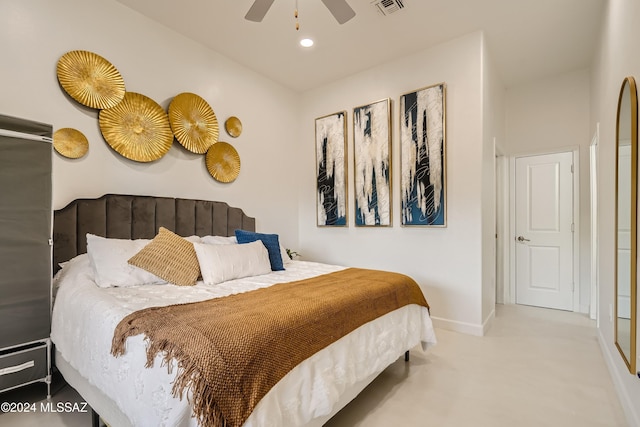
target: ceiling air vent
387 7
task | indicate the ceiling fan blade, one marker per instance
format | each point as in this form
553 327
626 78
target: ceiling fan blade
258 10
340 10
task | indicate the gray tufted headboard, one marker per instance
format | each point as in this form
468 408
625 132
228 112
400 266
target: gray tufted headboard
139 217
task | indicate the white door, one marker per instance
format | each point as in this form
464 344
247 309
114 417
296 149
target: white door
544 236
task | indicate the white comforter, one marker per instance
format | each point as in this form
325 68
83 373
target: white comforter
85 316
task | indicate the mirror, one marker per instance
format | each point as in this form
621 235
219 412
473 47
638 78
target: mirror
626 222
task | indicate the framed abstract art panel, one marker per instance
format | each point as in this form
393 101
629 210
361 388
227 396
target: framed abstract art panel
372 163
423 157
331 169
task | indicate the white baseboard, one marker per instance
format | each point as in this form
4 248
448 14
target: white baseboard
465 328
488 322
630 410
454 325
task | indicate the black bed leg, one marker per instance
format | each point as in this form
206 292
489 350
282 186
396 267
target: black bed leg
406 356
95 419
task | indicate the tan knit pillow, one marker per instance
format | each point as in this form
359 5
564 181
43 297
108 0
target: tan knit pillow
169 257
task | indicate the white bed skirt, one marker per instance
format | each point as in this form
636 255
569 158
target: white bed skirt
111 414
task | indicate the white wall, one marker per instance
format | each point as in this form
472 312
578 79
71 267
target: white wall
446 262
160 64
493 138
551 115
616 58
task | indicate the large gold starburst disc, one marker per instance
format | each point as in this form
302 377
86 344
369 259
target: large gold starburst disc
223 162
137 128
193 122
90 79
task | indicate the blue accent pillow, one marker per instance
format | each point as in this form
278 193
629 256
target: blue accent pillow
270 241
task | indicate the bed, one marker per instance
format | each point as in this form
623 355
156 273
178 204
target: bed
126 393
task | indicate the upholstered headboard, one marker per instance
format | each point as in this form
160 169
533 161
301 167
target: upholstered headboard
139 217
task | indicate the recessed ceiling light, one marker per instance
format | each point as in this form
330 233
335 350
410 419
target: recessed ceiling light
306 42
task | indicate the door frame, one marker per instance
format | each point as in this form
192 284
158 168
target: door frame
502 228
595 255
575 150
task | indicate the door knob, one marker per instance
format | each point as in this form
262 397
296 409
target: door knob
522 239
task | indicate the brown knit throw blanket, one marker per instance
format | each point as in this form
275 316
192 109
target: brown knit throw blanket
230 351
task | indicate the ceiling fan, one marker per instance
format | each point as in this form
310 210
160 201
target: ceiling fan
340 10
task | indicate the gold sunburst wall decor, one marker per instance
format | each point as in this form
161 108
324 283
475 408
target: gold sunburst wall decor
137 128
70 143
90 79
193 122
223 162
233 125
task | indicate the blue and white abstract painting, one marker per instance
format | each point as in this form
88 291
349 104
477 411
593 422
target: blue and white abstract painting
422 146
372 160
331 170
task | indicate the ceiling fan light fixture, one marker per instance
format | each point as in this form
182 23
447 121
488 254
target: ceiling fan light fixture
340 9
306 42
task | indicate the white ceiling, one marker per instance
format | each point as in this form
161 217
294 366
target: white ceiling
527 39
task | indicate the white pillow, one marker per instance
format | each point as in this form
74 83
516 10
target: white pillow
82 259
231 240
285 256
72 267
193 239
108 258
219 240
219 263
